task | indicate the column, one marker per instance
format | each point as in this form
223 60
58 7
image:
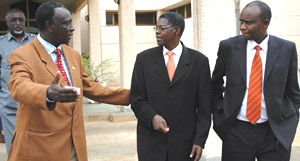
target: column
95 48
76 40
197 27
126 18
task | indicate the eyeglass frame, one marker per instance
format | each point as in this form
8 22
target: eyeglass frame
161 28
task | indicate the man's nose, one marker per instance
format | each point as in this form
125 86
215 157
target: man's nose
242 26
18 21
71 27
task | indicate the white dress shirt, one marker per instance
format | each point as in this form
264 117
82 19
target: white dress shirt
250 56
177 53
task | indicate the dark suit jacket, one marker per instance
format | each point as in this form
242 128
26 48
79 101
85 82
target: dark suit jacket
281 88
40 134
185 104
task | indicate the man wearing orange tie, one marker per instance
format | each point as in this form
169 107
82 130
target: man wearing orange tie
171 96
256 113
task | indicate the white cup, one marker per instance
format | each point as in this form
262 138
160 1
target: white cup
76 88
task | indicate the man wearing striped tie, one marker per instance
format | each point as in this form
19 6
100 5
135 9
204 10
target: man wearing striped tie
256 113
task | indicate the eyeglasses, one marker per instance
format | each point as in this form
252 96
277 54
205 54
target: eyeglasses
161 28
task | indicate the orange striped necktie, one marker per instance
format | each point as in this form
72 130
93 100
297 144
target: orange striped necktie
255 89
60 66
170 65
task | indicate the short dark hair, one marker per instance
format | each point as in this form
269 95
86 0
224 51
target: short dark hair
45 12
265 10
13 10
175 19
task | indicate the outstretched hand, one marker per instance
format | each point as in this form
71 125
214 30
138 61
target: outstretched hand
160 124
59 94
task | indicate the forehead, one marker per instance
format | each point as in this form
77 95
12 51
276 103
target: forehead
162 22
15 14
62 14
251 12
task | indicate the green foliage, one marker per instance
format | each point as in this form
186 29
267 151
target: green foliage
98 73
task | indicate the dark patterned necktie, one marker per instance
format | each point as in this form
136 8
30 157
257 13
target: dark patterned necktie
60 66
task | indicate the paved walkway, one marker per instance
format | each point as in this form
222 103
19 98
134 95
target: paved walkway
116 141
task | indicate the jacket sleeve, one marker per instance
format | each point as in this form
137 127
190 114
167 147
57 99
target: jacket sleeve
204 104
97 92
21 86
138 95
217 78
292 85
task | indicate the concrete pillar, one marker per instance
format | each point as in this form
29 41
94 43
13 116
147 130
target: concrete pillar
95 48
126 20
197 21
76 40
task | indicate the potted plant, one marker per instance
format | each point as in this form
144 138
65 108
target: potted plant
99 73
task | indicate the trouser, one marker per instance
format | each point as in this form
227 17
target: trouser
245 142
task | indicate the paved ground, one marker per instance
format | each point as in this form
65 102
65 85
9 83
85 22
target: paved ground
116 141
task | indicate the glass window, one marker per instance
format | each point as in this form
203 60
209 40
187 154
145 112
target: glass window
109 19
145 18
185 10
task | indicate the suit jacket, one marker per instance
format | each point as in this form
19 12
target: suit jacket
281 90
40 134
184 103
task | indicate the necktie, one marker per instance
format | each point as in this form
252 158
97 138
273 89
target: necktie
255 89
170 65
60 66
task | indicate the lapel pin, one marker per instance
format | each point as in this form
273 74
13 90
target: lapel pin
73 67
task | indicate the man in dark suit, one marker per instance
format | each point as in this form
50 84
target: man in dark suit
264 127
173 111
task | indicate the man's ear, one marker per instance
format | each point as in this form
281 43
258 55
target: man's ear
177 30
266 23
49 26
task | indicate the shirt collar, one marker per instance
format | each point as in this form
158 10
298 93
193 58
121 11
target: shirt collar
10 36
264 44
49 47
177 50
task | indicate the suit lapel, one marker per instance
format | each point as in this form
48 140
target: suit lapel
240 54
271 56
182 66
159 64
46 58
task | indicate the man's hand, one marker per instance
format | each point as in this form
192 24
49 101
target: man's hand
58 94
160 124
198 150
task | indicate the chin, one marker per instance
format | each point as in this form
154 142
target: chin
18 32
160 43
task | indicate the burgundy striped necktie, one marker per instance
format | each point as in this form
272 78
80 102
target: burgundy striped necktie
60 66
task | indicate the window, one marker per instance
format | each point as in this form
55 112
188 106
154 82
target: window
111 18
145 18
185 10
